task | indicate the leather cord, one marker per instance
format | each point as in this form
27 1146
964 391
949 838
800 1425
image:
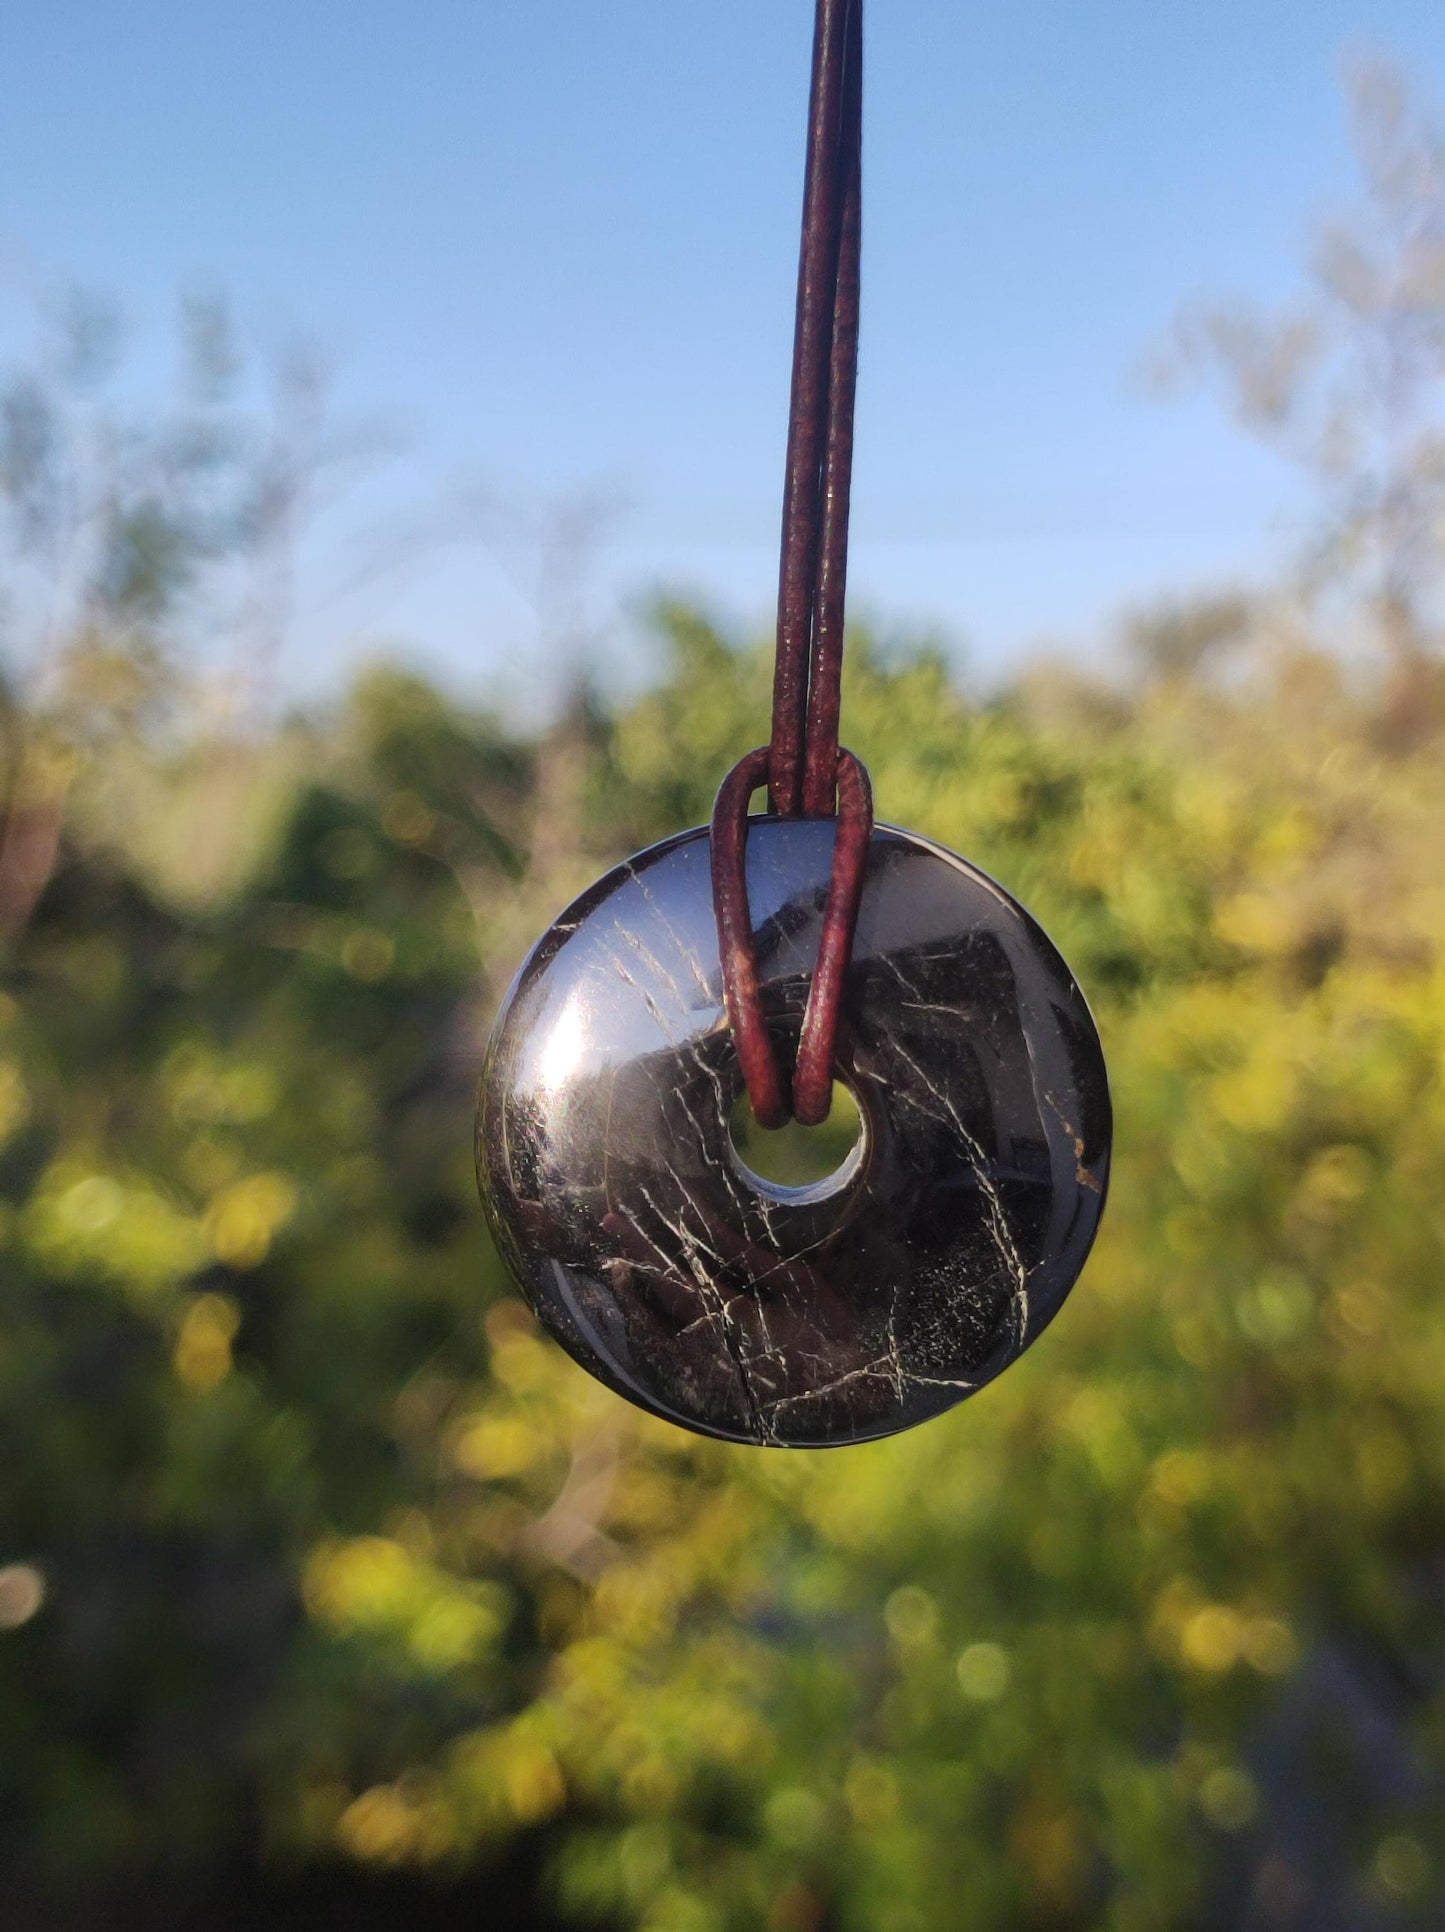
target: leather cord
807 773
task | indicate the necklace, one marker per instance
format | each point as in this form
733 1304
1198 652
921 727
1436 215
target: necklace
816 939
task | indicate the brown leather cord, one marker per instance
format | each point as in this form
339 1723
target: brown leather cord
807 772
736 947
820 755
817 1046
813 575
812 1093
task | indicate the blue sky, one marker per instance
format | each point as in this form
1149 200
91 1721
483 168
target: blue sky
554 245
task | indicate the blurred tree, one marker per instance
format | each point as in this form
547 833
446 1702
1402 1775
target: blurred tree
1350 382
1174 639
125 533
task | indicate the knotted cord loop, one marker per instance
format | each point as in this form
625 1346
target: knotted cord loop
812 1094
807 773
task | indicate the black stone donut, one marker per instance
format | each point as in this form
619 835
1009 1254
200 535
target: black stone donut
813 1316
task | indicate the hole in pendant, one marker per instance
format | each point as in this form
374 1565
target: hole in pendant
795 1156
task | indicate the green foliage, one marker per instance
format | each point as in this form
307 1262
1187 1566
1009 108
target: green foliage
311 1541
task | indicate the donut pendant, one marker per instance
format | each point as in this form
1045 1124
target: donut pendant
821 1315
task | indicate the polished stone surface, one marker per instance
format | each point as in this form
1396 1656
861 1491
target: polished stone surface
827 1314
